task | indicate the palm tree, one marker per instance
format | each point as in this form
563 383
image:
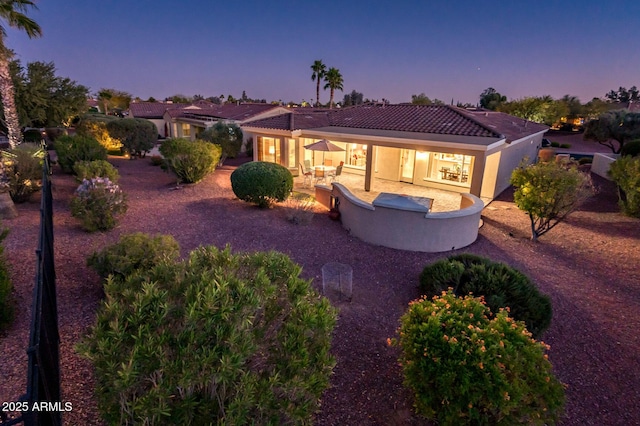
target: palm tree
11 13
319 70
334 82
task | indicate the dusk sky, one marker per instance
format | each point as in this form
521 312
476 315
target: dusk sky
384 49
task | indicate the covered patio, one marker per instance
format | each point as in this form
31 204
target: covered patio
442 200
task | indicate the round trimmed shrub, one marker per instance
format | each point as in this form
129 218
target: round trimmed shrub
501 286
218 338
189 160
262 183
631 148
97 168
134 252
71 149
467 366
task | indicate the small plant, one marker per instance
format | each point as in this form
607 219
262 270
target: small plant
548 193
134 252
555 144
565 145
157 160
585 160
219 338
499 284
467 366
71 149
23 170
97 168
189 160
299 207
262 183
625 172
6 296
98 203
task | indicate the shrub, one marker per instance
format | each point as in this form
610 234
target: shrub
137 135
631 148
95 126
98 203
585 160
6 302
555 144
299 207
625 172
71 149
549 192
500 285
23 171
228 136
261 183
190 161
157 160
467 366
134 252
32 136
215 339
97 168
565 145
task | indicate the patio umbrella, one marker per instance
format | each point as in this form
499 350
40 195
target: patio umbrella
324 146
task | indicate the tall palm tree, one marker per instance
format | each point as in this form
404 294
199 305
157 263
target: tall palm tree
11 12
334 81
319 70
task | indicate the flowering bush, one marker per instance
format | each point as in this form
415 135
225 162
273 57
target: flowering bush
97 203
464 367
22 171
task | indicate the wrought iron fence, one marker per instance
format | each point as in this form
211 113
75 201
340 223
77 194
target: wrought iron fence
43 373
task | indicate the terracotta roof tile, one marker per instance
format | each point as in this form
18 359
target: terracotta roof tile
513 128
151 109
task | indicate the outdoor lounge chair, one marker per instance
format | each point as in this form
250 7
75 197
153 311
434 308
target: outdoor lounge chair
308 175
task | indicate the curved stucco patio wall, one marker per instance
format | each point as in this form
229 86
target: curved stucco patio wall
409 230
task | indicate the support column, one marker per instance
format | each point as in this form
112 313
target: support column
368 171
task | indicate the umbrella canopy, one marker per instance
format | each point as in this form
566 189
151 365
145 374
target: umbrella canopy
324 146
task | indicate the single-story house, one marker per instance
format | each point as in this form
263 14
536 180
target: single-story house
440 146
154 112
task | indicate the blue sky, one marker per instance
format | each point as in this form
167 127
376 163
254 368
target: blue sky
384 49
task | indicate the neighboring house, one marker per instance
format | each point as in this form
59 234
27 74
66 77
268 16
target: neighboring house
189 121
154 112
437 146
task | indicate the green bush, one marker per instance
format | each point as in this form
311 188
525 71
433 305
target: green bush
134 252
97 168
6 296
219 338
625 172
631 148
23 171
565 145
228 136
555 144
32 136
189 160
95 126
71 149
500 285
467 366
98 203
137 135
585 160
261 183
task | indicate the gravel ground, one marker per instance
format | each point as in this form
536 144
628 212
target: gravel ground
587 265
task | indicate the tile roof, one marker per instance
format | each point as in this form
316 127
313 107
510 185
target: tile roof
151 109
237 112
434 119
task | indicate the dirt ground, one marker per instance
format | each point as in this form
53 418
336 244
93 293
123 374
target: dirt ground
589 266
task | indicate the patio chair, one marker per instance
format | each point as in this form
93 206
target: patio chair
334 175
308 175
307 165
320 175
328 162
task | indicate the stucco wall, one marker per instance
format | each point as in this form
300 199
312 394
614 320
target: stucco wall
409 230
601 164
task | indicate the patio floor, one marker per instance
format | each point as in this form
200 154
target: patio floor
442 200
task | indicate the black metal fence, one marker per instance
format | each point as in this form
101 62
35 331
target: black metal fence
41 405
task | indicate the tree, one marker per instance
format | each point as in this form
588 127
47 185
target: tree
353 98
137 135
334 81
548 193
614 126
491 99
319 70
623 95
113 99
421 99
11 12
44 99
228 136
